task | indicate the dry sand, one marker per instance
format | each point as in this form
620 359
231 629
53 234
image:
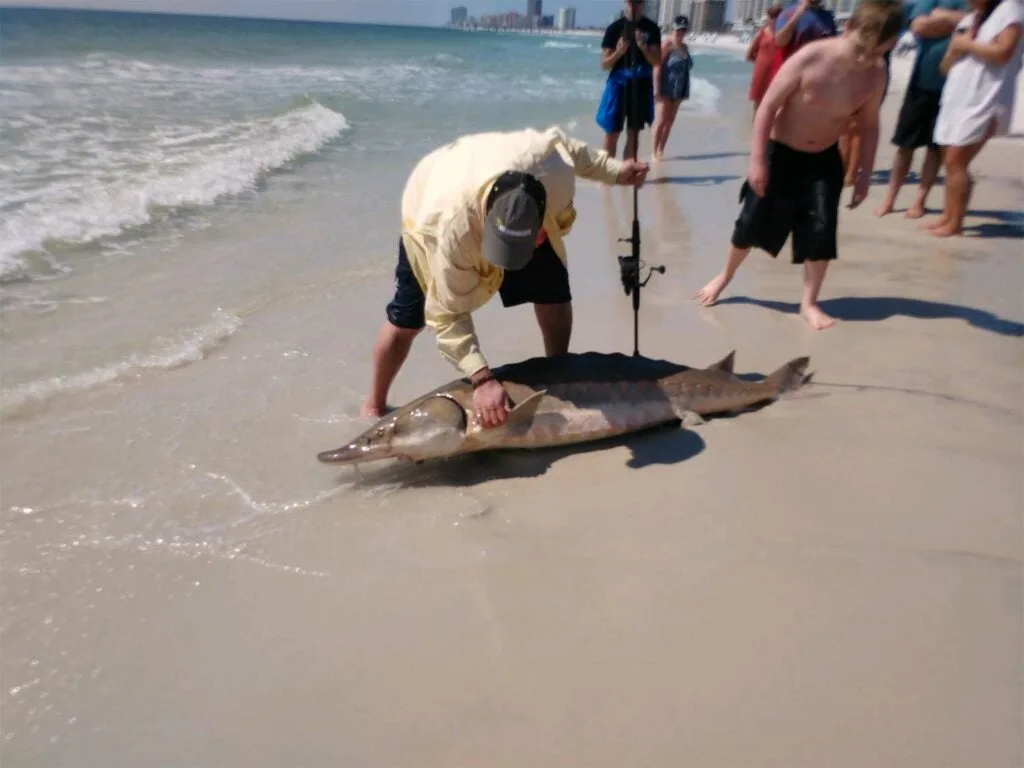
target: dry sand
832 581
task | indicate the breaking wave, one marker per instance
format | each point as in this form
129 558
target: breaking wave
188 347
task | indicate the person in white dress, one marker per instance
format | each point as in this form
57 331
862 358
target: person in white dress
981 65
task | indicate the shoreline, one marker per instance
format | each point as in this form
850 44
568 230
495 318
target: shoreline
832 579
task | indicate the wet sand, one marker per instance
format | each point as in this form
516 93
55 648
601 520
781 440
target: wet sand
833 580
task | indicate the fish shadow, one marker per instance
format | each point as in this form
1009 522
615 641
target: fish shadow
876 308
663 445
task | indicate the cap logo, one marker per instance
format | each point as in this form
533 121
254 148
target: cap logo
511 232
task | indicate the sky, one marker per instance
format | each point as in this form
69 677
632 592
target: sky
430 12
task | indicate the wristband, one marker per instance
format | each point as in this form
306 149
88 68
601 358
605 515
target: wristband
480 382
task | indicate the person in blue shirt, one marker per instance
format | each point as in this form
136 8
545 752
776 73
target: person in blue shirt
932 22
801 23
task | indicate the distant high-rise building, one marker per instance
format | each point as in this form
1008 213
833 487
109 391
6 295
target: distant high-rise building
459 14
652 8
669 10
534 8
707 15
567 18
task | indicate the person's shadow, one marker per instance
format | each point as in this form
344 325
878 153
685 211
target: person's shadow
874 308
699 181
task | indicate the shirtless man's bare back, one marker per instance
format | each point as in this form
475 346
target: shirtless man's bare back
795 178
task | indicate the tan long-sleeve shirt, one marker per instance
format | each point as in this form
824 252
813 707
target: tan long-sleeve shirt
443 220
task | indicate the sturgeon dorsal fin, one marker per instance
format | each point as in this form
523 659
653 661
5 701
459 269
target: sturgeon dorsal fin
520 419
725 364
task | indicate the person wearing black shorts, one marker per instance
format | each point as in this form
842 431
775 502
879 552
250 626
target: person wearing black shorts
544 280
932 22
486 214
802 199
630 50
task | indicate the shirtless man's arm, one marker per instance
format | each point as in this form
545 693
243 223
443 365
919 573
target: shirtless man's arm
867 120
785 35
783 85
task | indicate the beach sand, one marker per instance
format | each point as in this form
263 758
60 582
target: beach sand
833 580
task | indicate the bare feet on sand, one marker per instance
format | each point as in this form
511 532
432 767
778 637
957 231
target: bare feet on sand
938 223
946 230
816 317
916 211
371 410
709 294
884 209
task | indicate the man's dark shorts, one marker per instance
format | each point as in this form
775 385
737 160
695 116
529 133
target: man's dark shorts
635 104
915 126
545 280
802 198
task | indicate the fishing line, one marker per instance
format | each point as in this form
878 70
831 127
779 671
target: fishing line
918 392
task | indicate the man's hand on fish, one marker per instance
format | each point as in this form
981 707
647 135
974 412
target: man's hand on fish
490 400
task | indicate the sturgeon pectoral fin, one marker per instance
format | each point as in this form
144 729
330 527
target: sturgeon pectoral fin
691 419
520 418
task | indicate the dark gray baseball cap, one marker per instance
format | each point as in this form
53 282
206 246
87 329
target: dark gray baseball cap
515 215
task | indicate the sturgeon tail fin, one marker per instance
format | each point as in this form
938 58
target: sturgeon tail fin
789 377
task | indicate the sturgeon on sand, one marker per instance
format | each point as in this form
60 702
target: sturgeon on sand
558 401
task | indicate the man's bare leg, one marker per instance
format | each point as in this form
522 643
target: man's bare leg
929 172
632 138
897 176
959 186
814 276
389 353
555 321
709 294
611 143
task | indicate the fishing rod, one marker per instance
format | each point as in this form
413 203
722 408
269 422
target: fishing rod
631 266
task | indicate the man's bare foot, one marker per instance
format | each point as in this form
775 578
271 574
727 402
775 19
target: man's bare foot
372 410
816 317
884 209
938 223
946 230
916 211
709 294
849 181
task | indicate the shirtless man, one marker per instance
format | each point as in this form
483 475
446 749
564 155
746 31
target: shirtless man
795 178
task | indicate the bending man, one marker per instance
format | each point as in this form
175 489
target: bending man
487 214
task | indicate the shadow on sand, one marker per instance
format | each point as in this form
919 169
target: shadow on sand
665 445
709 156
874 308
883 175
697 181
1007 225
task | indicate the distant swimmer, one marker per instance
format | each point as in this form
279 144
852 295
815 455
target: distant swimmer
795 177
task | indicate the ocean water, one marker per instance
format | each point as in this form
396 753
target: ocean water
198 221
188 202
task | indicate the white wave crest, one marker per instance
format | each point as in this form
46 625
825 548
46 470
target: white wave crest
193 169
561 44
704 97
191 346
